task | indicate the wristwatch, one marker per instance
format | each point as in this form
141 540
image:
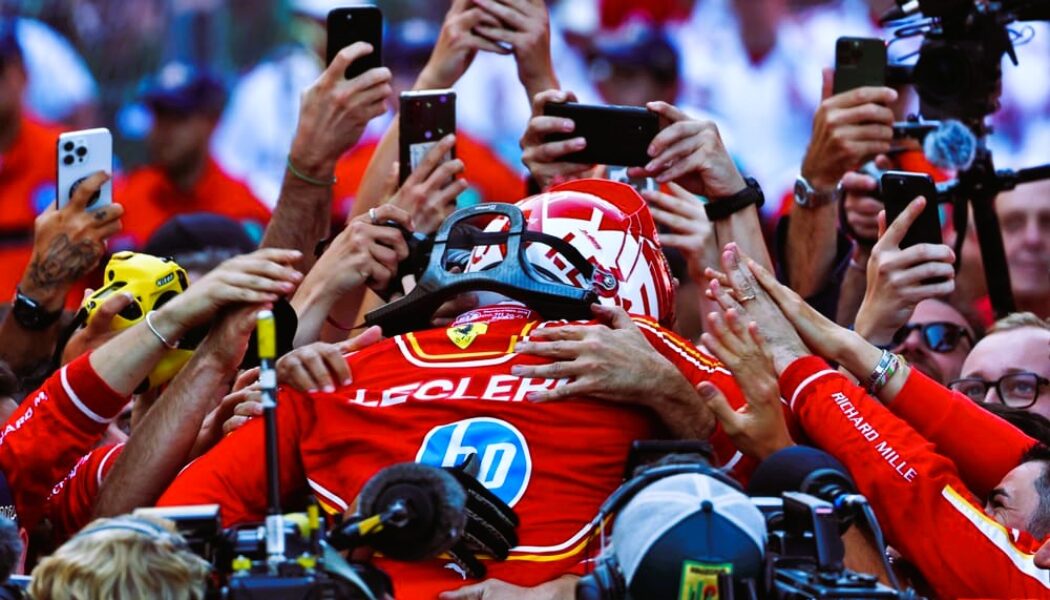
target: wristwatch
722 208
31 315
807 196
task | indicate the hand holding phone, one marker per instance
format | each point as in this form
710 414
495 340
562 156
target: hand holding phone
859 62
425 118
81 154
356 24
614 135
897 189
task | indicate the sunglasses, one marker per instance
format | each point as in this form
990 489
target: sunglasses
938 336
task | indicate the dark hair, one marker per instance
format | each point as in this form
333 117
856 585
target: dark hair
1039 525
8 381
10 548
1033 425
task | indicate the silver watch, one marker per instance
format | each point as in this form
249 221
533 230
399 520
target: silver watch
807 196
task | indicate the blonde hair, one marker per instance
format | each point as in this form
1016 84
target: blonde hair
1019 320
122 558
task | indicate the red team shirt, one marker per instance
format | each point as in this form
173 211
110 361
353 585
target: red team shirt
433 397
915 475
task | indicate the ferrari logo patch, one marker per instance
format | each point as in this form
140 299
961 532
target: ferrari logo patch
464 335
700 581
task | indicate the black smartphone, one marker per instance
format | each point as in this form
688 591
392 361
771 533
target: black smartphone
425 117
859 62
616 135
897 189
356 24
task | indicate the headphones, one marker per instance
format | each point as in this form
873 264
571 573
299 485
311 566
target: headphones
606 581
140 525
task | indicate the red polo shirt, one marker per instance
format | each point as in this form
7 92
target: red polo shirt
150 198
27 188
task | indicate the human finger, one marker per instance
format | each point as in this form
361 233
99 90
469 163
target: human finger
560 350
87 188
613 316
368 337
718 404
107 215
571 389
667 111
103 317
432 159
549 152
251 406
926 270
316 368
896 230
669 137
554 370
863 95
853 181
556 96
246 378
234 423
336 71
568 332
443 175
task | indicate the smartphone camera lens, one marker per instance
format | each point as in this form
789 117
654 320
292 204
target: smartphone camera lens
67 159
68 146
81 151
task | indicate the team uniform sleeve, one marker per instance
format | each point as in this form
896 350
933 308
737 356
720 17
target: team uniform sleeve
983 446
51 430
71 505
233 473
923 506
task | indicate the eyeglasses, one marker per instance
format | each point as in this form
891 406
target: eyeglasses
1018 390
939 336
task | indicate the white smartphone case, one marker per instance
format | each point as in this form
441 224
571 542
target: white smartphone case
81 154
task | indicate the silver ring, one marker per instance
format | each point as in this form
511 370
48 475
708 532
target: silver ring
744 299
372 215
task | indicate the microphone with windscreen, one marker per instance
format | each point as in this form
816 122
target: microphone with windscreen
810 471
951 146
414 512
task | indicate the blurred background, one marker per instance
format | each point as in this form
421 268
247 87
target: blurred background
754 66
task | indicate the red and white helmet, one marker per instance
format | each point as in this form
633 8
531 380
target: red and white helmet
610 225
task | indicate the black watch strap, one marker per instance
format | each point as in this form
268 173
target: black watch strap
722 208
31 315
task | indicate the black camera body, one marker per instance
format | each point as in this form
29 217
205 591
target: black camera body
243 571
804 553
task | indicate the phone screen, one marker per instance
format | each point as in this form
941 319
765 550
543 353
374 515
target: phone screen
425 118
897 189
356 24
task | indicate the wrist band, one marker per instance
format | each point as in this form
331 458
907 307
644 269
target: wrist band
723 208
893 364
879 372
304 177
160 337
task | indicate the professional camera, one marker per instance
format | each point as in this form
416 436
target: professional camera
683 529
242 568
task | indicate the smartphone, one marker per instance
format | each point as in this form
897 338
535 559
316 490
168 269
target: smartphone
356 24
80 155
897 189
859 62
616 135
425 117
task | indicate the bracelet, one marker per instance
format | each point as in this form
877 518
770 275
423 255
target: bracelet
879 373
160 337
304 177
895 364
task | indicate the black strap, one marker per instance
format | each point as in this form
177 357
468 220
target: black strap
722 208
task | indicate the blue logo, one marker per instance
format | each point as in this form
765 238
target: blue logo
505 462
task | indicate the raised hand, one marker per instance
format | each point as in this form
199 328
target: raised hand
543 158
457 45
690 152
525 26
691 233
429 193
758 428
898 279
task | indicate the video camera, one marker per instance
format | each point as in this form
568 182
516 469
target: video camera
684 529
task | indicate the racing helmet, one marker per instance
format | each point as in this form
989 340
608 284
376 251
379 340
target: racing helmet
610 225
152 282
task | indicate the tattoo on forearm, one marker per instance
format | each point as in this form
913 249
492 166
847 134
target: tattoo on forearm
64 261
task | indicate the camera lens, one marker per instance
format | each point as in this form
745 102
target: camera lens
67 159
81 151
68 146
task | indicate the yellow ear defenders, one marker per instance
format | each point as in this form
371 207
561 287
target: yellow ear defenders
152 282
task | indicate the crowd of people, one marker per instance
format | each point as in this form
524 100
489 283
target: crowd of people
719 305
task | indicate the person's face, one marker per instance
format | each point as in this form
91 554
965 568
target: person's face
179 141
1015 501
12 85
1024 218
1015 351
939 366
634 87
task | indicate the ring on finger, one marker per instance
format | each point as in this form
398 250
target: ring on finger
747 298
372 216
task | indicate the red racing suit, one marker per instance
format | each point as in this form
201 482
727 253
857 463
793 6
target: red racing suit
434 397
52 428
71 504
921 502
